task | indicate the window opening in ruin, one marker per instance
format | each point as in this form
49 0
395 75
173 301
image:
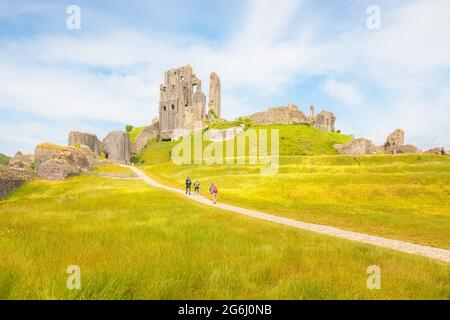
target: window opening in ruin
194 88
165 108
173 107
182 78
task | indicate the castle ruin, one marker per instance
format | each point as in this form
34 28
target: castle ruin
181 103
290 114
214 105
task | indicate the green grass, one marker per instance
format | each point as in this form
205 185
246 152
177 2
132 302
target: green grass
294 140
4 160
135 132
405 197
135 242
222 124
112 170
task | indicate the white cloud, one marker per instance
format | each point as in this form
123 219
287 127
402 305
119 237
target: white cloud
343 91
114 76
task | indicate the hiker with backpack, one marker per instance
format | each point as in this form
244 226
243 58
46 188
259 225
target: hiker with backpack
188 186
213 190
197 187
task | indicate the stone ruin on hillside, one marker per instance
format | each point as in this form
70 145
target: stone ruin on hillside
182 102
115 146
394 145
290 114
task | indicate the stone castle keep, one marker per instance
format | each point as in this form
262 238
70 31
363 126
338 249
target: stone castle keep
182 102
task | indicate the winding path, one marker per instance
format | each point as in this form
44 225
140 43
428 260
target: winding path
406 247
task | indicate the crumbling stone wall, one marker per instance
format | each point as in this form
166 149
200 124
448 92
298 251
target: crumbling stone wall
214 95
21 160
11 178
325 121
356 147
57 162
86 139
395 140
150 132
280 115
117 147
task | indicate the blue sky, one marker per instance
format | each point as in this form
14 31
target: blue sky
107 74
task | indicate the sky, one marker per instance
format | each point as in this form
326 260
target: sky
107 73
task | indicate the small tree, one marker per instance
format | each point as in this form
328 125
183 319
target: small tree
128 128
213 114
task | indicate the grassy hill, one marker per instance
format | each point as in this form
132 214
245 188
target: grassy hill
295 140
403 197
132 241
4 160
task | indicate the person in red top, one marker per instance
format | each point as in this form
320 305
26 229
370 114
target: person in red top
213 190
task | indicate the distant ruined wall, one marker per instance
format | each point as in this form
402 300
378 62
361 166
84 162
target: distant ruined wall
395 140
86 139
117 147
280 115
325 121
214 95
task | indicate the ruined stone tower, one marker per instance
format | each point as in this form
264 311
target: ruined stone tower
214 95
311 112
181 104
325 121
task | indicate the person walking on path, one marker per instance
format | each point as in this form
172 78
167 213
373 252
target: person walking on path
197 187
188 186
213 190
443 152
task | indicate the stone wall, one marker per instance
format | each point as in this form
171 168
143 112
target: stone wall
11 178
356 147
117 147
21 160
56 162
150 132
86 139
394 140
280 115
325 121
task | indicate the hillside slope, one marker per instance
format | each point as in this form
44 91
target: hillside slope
295 140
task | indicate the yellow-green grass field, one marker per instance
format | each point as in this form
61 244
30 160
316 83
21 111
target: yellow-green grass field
132 241
404 197
112 170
